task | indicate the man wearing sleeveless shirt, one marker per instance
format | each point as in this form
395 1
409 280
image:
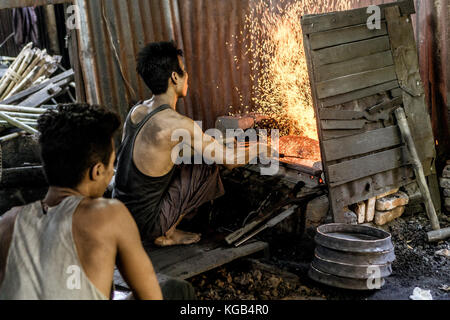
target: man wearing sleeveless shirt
157 192
66 246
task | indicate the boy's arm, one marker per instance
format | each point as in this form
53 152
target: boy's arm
132 260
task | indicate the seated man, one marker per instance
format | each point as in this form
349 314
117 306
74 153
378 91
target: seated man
157 192
66 246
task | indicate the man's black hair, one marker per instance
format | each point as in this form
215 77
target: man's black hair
156 63
73 139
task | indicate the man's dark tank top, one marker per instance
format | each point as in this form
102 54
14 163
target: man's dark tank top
141 194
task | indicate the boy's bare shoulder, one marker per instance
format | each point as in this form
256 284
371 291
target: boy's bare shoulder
104 212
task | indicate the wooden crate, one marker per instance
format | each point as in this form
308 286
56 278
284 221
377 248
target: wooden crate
355 72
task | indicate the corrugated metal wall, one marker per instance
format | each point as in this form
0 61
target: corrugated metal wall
115 30
202 28
9 47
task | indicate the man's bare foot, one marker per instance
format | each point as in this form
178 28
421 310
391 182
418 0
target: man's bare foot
178 237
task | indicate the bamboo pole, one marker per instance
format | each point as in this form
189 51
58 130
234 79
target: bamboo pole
417 165
20 72
23 115
9 108
5 80
18 124
12 136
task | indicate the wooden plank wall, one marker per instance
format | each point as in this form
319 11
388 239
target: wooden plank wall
355 73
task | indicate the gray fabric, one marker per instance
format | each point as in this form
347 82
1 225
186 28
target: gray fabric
192 185
42 260
176 289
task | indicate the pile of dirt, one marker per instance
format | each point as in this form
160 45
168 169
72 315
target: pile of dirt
415 257
243 281
416 264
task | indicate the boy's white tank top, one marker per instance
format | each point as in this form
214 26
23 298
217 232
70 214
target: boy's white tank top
42 261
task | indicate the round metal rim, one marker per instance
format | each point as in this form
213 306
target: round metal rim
382 244
355 258
349 270
341 282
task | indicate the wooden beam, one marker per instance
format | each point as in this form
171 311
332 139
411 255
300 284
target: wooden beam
335 20
350 51
8 4
340 69
334 87
366 166
336 37
362 143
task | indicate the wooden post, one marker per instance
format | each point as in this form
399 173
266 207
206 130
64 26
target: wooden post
417 165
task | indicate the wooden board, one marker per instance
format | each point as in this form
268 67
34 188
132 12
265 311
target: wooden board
342 124
366 63
335 20
365 166
362 143
331 38
352 82
358 94
401 35
184 262
350 51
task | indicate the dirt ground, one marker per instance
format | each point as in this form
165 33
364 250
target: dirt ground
284 275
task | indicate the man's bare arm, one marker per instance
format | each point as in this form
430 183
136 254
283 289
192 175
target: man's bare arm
132 260
230 158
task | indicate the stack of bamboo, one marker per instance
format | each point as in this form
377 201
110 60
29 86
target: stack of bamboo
21 117
31 67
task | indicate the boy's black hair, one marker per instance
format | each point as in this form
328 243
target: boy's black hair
155 65
73 139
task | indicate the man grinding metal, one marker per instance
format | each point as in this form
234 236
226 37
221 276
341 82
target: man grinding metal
157 192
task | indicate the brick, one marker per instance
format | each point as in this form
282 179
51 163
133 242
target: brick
383 217
447 193
234 122
258 117
360 210
446 172
317 209
445 183
370 209
388 193
393 201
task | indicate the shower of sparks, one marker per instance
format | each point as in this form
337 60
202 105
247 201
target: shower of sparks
281 88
